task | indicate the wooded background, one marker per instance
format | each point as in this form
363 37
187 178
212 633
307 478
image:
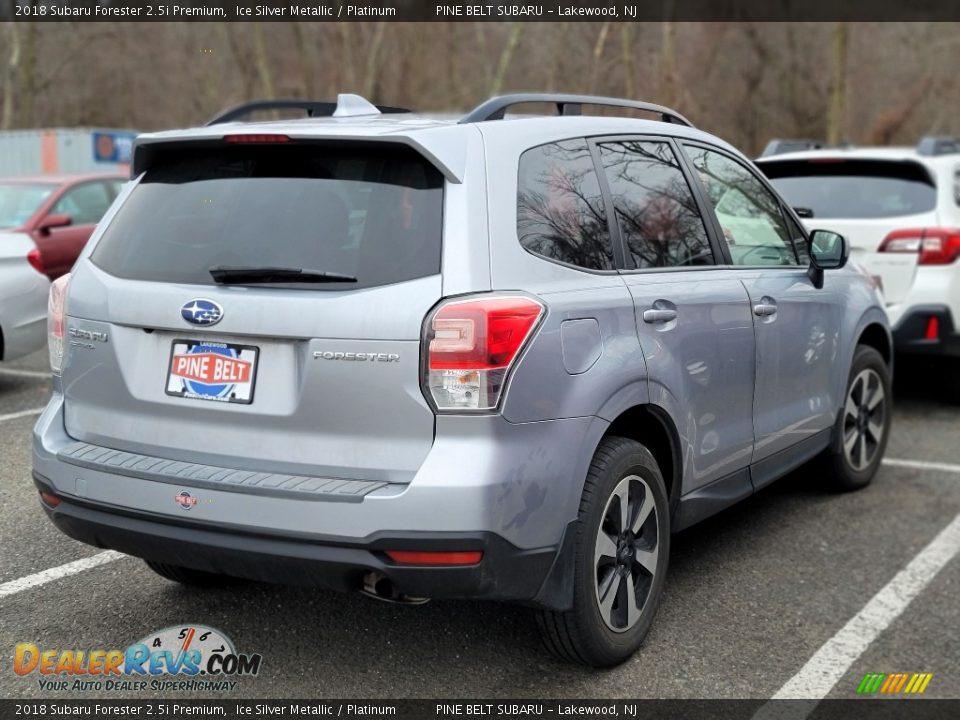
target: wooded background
874 83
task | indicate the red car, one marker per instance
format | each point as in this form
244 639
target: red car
58 211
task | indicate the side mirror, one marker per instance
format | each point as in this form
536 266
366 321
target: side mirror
53 221
828 251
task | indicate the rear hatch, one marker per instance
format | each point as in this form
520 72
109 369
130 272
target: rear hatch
219 351
864 200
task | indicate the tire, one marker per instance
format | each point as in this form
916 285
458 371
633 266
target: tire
191 577
856 451
605 634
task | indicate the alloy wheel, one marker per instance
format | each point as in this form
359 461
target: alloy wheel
626 553
864 419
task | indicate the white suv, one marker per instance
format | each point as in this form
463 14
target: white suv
899 207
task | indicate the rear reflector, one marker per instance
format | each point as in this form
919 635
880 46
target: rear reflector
257 139
49 498
419 557
936 246
933 328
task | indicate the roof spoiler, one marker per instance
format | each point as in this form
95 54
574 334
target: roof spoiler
779 146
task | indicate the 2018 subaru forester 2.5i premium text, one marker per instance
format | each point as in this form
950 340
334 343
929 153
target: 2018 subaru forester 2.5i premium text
494 358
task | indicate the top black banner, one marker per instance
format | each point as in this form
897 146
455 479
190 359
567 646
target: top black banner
434 11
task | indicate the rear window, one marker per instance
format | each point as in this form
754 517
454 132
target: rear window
373 213
854 188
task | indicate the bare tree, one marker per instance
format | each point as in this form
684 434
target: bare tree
261 61
506 55
838 89
11 76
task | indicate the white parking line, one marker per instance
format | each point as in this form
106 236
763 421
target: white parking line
832 661
922 465
42 578
25 373
21 414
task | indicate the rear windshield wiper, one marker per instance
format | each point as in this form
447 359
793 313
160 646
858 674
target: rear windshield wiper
247 275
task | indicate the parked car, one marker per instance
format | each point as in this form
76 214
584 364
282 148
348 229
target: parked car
494 358
23 298
900 209
58 212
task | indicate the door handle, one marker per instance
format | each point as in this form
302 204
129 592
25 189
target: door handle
659 315
765 308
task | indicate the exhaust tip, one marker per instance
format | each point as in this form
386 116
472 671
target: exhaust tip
380 587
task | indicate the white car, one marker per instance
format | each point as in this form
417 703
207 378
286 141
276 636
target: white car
899 207
23 298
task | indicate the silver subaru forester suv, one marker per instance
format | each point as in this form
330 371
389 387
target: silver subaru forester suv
428 358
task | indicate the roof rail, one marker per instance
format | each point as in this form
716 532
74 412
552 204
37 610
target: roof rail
934 145
496 107
346 105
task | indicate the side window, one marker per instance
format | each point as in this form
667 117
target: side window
85 203
656 213
799 241
749 214
560 211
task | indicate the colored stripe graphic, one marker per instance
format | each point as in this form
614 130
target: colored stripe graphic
870 683
894 683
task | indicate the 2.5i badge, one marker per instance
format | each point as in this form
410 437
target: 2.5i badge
212 371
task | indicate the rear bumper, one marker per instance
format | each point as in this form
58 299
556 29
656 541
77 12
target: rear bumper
509 490
910 334
504 573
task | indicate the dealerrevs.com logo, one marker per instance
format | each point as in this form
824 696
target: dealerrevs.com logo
181 658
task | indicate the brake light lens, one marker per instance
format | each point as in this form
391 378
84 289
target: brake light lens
33 257
472 345
56 312
936 246
256 139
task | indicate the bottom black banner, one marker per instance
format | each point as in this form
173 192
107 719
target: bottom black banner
880 709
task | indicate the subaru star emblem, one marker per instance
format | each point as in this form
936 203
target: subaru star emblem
201 312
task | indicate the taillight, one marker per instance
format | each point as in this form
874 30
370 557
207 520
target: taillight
936 246
471 346
33 257
56 311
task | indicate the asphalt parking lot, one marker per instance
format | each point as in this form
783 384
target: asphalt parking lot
752 594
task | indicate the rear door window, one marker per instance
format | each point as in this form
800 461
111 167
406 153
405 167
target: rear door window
373 213
854 189
85 204
560 212
656 213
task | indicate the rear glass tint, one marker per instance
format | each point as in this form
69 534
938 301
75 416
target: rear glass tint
560 213
374 213
854 188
